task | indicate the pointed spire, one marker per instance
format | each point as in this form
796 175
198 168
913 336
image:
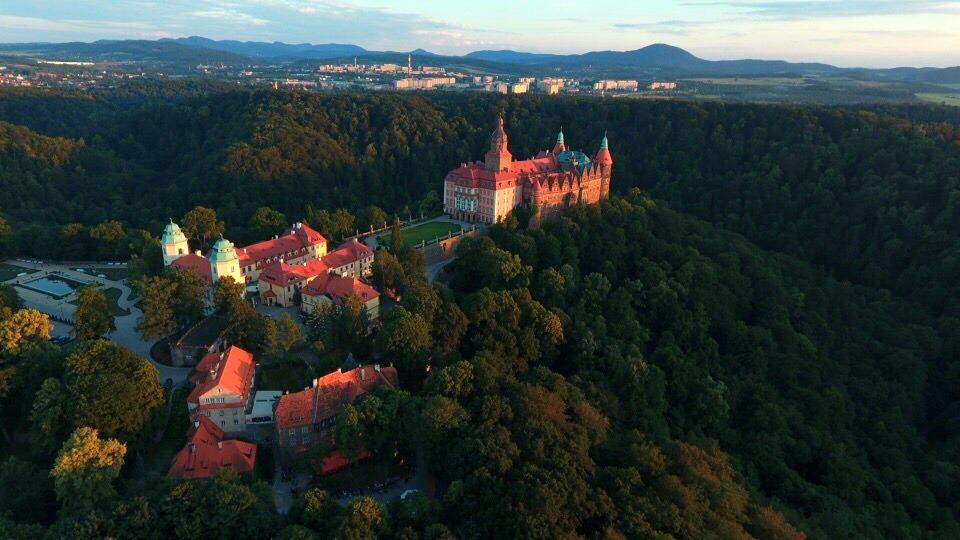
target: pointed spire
560 146
603 155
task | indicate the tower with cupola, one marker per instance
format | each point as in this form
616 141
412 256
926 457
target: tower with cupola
605 162
174 243
224 261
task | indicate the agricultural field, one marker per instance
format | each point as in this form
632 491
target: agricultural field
943 99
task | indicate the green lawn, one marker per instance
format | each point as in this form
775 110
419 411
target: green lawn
113 294
113 274
10 271
425 231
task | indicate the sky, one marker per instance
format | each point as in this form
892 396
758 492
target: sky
848 33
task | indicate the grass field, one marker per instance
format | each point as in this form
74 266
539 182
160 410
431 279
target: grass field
423 232
946 99
10 271
113 295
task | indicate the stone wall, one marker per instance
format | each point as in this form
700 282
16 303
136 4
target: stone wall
446 248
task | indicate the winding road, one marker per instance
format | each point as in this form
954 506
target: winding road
61 309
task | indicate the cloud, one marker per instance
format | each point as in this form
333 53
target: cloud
676 27
227 14
812 9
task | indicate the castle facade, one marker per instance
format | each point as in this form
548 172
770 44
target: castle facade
486 191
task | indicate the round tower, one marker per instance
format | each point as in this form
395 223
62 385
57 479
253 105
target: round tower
224 261
174 243
605 161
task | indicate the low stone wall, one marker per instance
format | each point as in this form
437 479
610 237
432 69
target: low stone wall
387 227
446 248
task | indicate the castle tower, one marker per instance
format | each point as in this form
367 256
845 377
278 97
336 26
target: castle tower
605 161
498 158
559 147
224 261
174 243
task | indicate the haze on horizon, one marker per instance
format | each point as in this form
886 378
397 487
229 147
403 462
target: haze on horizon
848 33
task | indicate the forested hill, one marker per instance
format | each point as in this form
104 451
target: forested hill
764 337
870 196
676 331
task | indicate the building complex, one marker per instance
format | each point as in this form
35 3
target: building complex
486 191
293 268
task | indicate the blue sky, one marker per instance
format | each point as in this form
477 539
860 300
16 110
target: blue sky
873 33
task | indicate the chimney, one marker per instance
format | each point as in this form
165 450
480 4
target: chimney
363 374
196 424
376 367
220 445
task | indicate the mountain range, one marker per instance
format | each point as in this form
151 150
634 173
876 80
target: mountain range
657 59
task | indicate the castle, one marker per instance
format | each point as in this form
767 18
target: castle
293 268
485 192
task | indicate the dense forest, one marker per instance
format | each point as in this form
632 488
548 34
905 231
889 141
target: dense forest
756 337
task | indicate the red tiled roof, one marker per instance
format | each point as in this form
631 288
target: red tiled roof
337 286
231 371
283 274
475 175
336 461
206 452
293 240
196 262
329 394
347 253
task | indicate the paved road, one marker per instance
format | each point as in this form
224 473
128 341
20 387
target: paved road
282 491
418 482
126 326
127 335
433 271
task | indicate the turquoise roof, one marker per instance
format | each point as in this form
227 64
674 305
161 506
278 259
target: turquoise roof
560 136
603 142
172 234
223 251
568 157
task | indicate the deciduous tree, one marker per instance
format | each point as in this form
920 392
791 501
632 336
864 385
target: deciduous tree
201 224
157 304
85 470
23 325
267 222
111 388
93 317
